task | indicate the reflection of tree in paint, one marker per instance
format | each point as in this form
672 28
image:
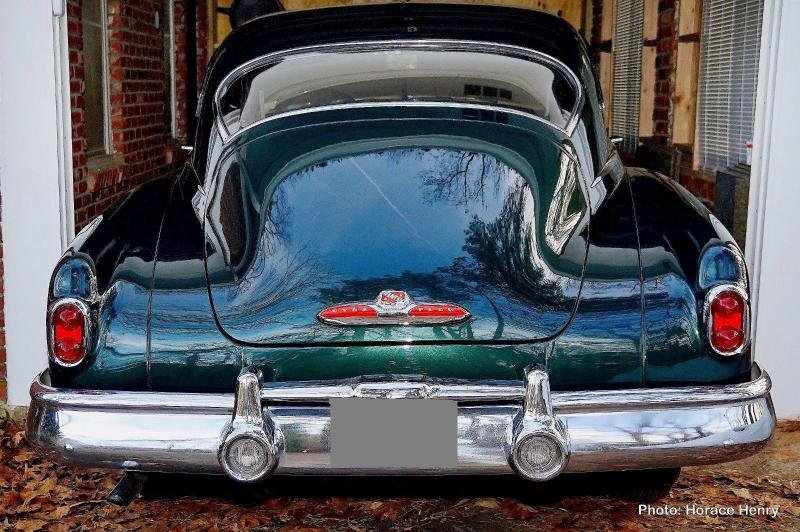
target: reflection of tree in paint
461 176
498 253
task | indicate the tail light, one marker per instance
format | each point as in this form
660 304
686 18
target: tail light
727 319
68 332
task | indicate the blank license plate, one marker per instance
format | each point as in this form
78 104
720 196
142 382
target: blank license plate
393 433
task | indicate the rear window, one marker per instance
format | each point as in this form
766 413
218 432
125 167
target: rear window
410 74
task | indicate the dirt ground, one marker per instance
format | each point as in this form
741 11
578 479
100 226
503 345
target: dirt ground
36 494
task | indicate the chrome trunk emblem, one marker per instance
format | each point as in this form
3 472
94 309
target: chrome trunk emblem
393 307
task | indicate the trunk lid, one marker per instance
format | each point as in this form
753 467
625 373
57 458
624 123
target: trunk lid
488 216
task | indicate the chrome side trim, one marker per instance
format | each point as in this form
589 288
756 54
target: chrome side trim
422 44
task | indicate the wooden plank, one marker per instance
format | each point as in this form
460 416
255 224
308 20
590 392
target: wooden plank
570 10
690 17
606 68
223 22
607 16
211 19
684 99
647 97
650 28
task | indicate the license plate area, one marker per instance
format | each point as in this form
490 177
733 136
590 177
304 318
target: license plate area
394 433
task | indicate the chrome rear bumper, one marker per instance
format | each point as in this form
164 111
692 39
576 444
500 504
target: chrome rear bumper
603 430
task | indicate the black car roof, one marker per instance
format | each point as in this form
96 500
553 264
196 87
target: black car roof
291 29
527 28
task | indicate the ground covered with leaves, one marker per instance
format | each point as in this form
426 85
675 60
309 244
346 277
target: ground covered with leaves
36 494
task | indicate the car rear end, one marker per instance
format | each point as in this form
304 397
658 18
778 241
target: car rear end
403 257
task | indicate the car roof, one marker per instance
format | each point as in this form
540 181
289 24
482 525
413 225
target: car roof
527 28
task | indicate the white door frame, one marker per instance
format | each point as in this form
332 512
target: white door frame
773 249
35 176
63 121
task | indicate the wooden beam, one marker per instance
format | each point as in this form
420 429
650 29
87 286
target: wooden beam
647 96
650 28
606 68
684 99
689 17
222 26
607 15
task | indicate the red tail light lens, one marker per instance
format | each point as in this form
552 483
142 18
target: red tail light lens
349 311
68 333
727 321
435 310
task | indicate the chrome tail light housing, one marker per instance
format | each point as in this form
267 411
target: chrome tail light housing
726 312
69 331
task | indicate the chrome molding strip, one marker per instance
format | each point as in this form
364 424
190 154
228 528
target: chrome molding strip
489 392
419 44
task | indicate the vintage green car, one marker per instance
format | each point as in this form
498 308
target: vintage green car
403 244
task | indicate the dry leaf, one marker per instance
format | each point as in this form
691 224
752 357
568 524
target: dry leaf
792 487
60 512
30 525
487 503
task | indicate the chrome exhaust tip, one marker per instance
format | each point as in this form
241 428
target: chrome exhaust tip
540 444
250 443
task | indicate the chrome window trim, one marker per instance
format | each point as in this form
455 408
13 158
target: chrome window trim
488 392
87 329
709 319
418 44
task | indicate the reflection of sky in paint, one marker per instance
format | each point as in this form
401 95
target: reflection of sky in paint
373 214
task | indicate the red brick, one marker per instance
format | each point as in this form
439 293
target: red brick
138 88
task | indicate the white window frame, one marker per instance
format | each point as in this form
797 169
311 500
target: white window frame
173 85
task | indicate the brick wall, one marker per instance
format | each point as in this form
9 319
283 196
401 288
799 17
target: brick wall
143 147
666 50
180 67
203 42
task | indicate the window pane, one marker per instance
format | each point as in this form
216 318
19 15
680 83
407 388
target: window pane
627 72
728 80
94 117
313 80
92 11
